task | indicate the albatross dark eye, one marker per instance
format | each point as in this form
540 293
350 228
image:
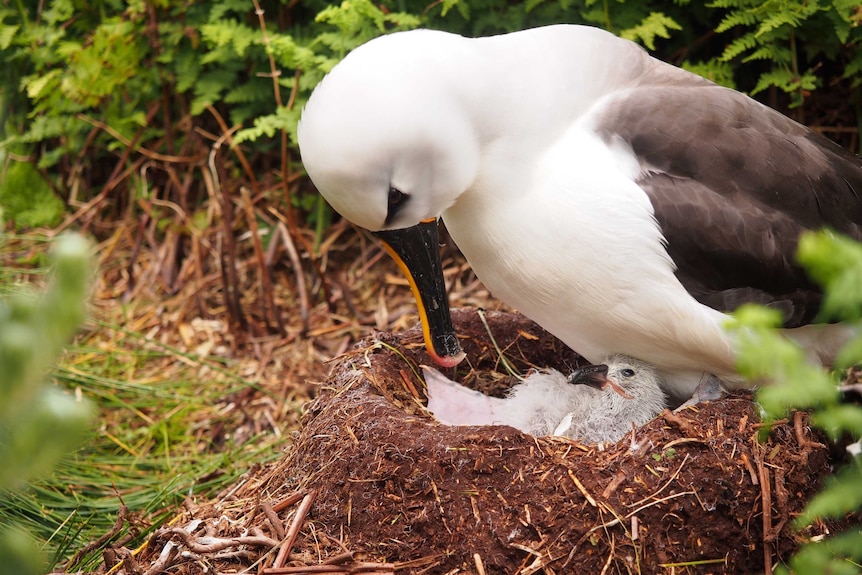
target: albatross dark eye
396 196
627 372
395 201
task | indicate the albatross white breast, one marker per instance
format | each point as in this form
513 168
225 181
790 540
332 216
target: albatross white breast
622 203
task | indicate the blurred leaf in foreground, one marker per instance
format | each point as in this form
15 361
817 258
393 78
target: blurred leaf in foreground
794 381
39 423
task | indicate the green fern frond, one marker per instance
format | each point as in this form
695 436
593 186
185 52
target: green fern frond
271 124
734 19
777 20
249 92
714 70
761 53
230 33
780 78
656 24
224 7
209 89
7 34
742 44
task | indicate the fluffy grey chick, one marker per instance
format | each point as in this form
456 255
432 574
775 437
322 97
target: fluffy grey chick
596 403
631 395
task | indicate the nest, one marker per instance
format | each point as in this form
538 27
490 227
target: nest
373 484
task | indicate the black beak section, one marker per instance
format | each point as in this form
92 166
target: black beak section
592 375
416 250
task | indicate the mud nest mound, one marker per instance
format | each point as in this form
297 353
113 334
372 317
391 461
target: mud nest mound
373 484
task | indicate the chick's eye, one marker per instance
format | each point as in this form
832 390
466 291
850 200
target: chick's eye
627 372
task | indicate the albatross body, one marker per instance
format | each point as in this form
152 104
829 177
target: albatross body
620 202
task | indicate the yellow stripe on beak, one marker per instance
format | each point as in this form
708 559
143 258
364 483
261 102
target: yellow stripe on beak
416 250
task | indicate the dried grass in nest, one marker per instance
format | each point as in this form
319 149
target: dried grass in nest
374 485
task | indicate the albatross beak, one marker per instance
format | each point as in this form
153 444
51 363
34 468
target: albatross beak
416 250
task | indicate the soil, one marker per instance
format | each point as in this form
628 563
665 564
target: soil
373 484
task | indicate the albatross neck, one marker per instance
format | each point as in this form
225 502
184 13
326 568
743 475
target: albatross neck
536 83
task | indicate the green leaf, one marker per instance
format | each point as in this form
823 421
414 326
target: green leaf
838 419
270 125
742 44
841 495
835 262
7 34
230 33
27 199
37 85
851 353
656 24
834 555
714 70
764 355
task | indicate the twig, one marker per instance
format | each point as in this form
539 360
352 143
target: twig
300 275
782 497
799 429
508 366
275 74
365 568
161 564
613 485
582 489
610 557
766 499
339 559
227 136
617 521
288 501
480 567
293 531
230 282
131 144
276 523
118 525
679 422
662 488
271 312
212 544
751 472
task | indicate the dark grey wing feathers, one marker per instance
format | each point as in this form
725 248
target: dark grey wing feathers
733 185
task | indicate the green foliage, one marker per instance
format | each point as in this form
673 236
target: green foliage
39 423
792 36
835 262
27 199
655 25
797 383
83 82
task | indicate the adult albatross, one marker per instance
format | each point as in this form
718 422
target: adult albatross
620 202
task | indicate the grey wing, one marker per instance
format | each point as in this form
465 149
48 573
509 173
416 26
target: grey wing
733 184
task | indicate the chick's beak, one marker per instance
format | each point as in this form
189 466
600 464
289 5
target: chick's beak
592 375
596 376
416 250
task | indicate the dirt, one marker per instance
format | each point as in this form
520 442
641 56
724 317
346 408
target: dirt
373 484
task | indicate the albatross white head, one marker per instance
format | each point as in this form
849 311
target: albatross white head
405 148
405 152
